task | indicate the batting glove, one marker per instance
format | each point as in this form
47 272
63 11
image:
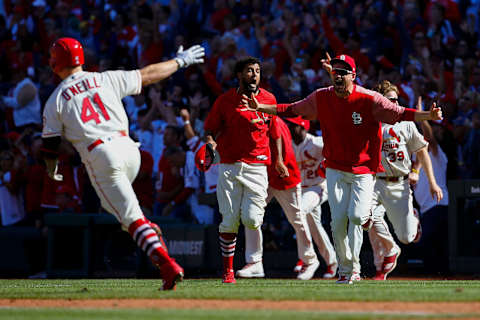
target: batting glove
52 168
192 55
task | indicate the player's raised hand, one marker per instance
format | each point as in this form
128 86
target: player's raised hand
250 102
185 115
436 192
326 63
192 55
436 112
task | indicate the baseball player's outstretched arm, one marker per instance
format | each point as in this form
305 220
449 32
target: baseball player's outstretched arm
435 113
424 158
162 70
252 104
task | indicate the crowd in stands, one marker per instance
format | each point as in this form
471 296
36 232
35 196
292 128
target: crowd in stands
429 49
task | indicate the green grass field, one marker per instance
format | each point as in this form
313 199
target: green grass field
259 289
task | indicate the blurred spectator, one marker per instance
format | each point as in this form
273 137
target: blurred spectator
169 183
143 184
66 200
12 209
25 104
434 213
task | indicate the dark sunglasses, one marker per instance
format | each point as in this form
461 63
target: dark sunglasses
341 72
393 99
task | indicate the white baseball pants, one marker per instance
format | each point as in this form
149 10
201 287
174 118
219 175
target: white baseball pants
312 199
383 244
397 199
241 194
290 201
112 166
350 199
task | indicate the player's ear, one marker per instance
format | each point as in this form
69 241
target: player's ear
354 75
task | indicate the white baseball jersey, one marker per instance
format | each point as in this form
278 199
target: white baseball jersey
309 155
87 106
399 142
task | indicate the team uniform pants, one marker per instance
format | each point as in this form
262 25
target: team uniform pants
290 201
350 200
241 194
312 199
112 166
397 200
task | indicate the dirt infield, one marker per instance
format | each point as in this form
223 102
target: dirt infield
426 308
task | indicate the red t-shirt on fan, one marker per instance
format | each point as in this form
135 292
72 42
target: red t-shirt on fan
280 130
241 135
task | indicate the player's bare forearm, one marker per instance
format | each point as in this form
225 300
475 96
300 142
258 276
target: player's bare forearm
424 159
435 113
268 108
158 71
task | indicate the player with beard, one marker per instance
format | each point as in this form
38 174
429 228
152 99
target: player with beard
241 137
350 118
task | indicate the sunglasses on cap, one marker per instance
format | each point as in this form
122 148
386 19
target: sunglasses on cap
341 72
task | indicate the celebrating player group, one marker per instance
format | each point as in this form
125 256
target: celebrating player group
361 164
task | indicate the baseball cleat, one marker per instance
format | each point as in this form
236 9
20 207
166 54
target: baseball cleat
298 266
389 263
419 227
172 273
308 270
355 276
331 271
229 277
252 270
344 280
380 276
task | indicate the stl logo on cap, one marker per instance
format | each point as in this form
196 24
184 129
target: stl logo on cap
345 59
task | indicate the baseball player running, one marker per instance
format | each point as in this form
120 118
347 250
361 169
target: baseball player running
241 137
287 191
308 152
350 117
392 188
86 109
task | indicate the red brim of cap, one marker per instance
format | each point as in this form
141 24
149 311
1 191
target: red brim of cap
299 121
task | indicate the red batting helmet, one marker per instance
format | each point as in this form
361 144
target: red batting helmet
66 52
205 157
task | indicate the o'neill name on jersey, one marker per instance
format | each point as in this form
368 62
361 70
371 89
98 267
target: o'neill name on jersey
79 87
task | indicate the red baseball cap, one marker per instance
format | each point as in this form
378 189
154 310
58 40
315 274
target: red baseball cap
205 157
347 60
300 121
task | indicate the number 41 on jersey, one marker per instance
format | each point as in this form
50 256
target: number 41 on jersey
88 111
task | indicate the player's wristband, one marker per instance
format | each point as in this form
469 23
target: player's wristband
186 122
415 171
